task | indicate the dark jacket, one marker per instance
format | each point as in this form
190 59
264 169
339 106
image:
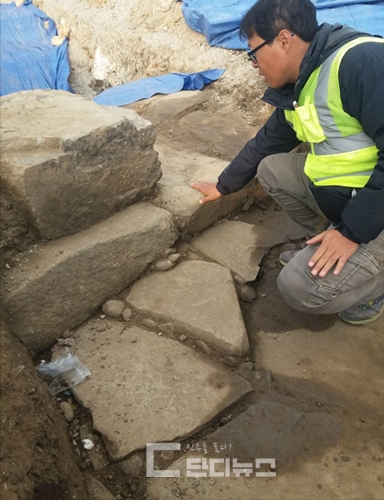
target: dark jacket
361 77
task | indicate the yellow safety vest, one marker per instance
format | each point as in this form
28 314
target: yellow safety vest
341 153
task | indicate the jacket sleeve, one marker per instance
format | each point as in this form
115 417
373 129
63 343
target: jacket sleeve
276 136
361 77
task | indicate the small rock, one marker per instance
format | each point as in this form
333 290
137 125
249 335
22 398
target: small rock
258 375
247 205
132 466
7 266
239 279
229 360
67 410
168 328
148 322
174 258
183 338
127 314
362 419
114 308
163 265
225 420
247 293
245 369
170 251
203 347
168 454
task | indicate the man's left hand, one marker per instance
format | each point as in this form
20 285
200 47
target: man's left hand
334 249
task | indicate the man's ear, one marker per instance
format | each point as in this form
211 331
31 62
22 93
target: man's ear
285 39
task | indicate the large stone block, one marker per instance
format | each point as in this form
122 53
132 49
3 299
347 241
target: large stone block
70 163
63 282
181 168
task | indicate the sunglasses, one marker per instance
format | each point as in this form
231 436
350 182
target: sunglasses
252 53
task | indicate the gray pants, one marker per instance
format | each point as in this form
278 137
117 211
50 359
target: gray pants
362 277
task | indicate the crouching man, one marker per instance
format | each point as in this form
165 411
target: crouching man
326 84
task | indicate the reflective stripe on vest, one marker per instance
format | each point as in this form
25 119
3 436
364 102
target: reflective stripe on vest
341 153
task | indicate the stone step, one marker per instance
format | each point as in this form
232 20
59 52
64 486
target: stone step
69 163
238 246
200 299
180 168
145 388
62 283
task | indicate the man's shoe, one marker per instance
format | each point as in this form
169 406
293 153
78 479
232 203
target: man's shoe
287 256
362 314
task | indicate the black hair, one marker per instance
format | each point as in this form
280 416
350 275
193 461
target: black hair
268 17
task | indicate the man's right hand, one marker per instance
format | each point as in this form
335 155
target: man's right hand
208 189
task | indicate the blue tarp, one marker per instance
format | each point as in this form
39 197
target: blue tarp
27 58
219 20
165 84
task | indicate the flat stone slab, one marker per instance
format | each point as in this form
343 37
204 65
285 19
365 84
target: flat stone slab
270 429
200 299
62 283
181 168
145 388
69 163
238 246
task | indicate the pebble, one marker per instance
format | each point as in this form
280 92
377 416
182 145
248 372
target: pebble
127 314
7 266
203 347
258 375
163 265
132 466
245 369
247 205
239 279
148 322
168 328
229 360
183 338
170 251
225 420
67 410
174 258
168 454
247 293
113 308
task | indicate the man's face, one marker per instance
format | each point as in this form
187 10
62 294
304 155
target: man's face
272 60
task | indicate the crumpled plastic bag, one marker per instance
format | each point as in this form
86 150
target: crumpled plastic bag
65 373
